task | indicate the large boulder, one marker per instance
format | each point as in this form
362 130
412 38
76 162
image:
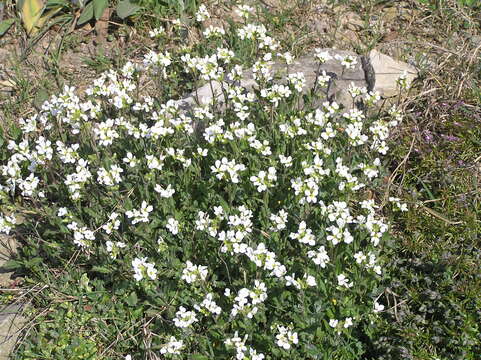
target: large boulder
376 72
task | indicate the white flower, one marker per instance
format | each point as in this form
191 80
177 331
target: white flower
279 220
141 215
264 179
342 280
372 97
310 280
244 11
130 159
110 177
322 56
143 269
360 257
172 226
402 80
173 347
157 32
202 152
378 307
212 31
82 235
323 79
400 206
165 193
304 235
62 212
348 61
202 14
112 224
297 80
228 170
184 318
348 322
254 355
192 273
276 93
106 133
286 337
225 54
319 257
287 57
155 162
333 323
67 154
157 61
29 185
285 160
113 248
7 223
209 305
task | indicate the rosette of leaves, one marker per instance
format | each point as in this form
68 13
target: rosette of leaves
35 14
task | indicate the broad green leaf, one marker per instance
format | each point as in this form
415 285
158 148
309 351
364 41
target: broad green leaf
54 3
87 14
5 25
125 8
99 7
101 269
132 299
31 12
40 98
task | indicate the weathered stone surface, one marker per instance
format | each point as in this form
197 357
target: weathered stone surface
387 70
11 320
8 246
11 323
380 77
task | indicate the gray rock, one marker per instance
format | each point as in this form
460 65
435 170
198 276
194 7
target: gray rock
11 319
387 70
11 324
376 72
8 247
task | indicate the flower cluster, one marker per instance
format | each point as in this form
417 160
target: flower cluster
192 273
247 300
143 269
286 337
252 183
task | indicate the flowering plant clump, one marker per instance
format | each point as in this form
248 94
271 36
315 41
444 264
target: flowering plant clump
245 230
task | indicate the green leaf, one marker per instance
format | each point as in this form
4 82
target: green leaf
40 98
125 8
12 265
100 269
30 13
199 357
34 262
132 299
99 7
87 14
54 3
5 25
